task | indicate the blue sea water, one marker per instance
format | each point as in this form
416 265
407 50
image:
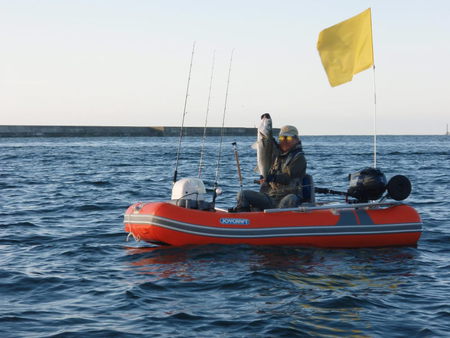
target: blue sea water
66 269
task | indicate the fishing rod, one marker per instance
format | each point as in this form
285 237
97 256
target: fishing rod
175 174
332 192
238 164
200 165
221 133
329 191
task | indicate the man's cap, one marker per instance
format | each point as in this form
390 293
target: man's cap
288 131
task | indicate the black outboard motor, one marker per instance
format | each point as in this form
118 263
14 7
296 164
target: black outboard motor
367 184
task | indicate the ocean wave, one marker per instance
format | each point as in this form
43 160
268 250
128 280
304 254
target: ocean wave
67 270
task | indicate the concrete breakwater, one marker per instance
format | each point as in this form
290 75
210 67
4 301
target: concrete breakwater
91 131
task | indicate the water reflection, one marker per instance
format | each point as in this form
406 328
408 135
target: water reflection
322 292
320 267
161 262
332 290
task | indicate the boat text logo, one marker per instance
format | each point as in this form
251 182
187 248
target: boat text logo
238 221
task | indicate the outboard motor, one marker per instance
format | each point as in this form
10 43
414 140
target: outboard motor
367 184
189 188
190 193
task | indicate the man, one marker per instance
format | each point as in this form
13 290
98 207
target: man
283 186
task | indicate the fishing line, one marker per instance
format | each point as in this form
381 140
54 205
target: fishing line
184 115
221 133
200 165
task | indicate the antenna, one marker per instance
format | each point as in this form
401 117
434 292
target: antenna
175 174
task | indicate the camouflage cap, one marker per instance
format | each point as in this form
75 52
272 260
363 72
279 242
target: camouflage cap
288 131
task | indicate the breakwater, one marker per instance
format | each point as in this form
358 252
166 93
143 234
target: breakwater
102 131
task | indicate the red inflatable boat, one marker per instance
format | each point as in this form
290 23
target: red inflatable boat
329 226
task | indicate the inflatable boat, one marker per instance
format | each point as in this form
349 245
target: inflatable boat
191 220
331 226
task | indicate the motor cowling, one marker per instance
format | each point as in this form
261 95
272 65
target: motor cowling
367 184
190 188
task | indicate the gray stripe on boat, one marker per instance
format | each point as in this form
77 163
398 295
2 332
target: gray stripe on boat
364 217
273 232
346 217
357 216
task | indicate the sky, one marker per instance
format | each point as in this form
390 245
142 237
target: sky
126 63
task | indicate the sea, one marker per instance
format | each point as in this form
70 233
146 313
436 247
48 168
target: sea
67 268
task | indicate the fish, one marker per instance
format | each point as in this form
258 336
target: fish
264 146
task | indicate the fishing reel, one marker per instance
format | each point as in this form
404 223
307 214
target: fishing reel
370 184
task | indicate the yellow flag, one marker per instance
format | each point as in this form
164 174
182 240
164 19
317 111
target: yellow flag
346 48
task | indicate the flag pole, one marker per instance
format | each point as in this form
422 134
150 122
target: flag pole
374 100
374 120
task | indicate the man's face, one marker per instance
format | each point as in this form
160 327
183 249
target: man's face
287 142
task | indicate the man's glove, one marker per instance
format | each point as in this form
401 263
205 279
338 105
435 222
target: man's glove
270 178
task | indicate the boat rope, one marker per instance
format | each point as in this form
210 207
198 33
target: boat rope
200 165
136 238
219 157
175 174
331 207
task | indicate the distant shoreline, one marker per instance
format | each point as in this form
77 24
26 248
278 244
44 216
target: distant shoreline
121 131
104 131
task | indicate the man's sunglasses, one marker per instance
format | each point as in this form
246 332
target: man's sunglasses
286 138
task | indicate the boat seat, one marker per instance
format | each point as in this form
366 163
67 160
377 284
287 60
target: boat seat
308 193
192 204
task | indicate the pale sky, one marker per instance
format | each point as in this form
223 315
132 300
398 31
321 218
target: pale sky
126 63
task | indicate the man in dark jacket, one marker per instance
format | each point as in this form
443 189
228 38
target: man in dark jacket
283 186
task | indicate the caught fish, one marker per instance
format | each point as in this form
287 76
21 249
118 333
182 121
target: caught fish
264 146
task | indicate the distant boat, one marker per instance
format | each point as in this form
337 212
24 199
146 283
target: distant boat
446 133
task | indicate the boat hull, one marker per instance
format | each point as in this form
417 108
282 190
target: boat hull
161 222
